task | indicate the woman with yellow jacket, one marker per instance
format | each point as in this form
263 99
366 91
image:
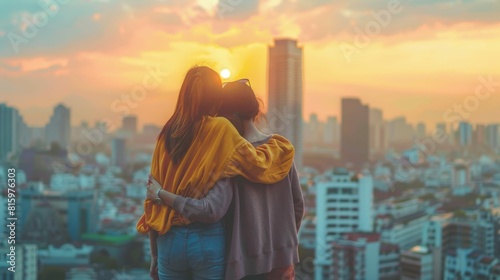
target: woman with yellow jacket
194 150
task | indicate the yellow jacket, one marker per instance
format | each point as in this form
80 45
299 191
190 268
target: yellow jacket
217 151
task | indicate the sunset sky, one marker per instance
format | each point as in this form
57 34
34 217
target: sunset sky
90 54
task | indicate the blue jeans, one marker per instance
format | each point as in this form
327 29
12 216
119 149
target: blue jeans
196 251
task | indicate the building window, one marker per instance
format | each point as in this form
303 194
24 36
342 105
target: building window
346 191
333 191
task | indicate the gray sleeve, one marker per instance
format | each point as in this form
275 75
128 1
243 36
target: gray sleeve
298 198
210 208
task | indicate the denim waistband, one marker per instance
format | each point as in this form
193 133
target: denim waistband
198 226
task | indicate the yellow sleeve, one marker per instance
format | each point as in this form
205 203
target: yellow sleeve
268 163
142 225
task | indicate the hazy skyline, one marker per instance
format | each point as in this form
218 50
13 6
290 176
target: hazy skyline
90 54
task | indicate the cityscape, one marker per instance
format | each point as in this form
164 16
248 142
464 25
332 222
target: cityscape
394 122
385 199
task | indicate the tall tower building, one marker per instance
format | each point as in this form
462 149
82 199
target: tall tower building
344 203
377 139
479 137
129 125
421 130
285 92
58 129
13 131
355 135
118 152
7 131
493 135
465 133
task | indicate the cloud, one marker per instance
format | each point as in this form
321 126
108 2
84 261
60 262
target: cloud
108 26
237 9
10 67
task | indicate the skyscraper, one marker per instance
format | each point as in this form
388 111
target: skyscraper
493 135
421 130
118 152
465 133
377 142
355 135
129 125
13 131
343 204
58 130
285 92
479 135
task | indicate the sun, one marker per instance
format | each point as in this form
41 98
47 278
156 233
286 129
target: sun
225 73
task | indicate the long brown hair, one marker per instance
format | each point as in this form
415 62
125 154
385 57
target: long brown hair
199 96
239 104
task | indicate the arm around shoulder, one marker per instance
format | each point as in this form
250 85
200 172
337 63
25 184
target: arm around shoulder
268 163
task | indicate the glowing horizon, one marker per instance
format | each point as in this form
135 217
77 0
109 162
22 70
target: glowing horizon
419 63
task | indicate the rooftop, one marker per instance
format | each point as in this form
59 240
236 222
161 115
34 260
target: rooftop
474 255
368 236
420 250
486 260
388 247
340 171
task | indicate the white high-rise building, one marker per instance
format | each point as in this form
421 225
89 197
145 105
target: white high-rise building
285 93
344 203
58 130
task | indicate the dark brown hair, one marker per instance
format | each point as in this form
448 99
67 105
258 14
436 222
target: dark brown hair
239 104
199 96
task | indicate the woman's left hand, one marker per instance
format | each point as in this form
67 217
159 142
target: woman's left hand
152 188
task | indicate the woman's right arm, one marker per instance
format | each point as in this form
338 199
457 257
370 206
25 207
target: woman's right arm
267 163
208 209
